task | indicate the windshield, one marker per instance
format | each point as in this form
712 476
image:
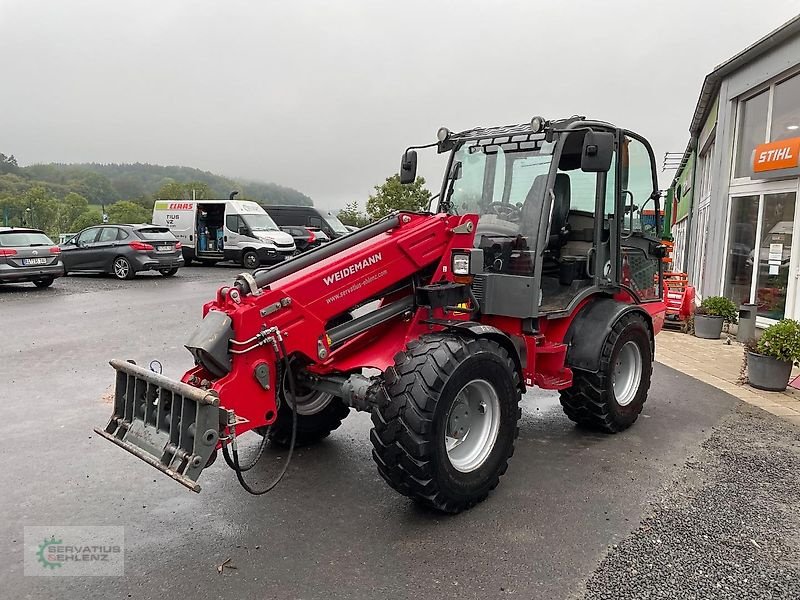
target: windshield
259 222
335 223
503 183
24 238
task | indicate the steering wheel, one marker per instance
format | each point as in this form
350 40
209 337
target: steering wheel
508 212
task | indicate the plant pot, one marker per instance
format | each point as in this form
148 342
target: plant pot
767 373
708 327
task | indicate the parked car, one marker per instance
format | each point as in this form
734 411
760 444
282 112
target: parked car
306 237
123 251
352 228
307 216
28 255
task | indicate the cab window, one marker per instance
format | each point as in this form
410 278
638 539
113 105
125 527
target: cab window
637 187
232 222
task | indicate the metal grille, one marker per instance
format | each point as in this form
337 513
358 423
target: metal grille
642 272
168 424
478 288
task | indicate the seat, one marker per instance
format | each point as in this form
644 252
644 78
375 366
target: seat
532 209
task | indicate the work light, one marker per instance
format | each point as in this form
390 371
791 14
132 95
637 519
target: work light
442 134
460 264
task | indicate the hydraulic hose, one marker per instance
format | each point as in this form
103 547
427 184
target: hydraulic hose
234 462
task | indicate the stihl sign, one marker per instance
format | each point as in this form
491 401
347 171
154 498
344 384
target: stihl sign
776 155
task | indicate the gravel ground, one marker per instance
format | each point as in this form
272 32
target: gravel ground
728 528
79 284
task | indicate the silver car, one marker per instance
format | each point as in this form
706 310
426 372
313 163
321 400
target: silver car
28 255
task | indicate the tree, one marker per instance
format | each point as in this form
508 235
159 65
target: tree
351 215
127 212
69 209
172 190
392 195
97 189
8 164
86 219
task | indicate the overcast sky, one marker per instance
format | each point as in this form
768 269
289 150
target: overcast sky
324 96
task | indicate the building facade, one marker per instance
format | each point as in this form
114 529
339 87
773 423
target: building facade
736 194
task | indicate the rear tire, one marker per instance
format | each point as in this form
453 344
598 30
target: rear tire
421 448
44 283
612 399
121 268
168 272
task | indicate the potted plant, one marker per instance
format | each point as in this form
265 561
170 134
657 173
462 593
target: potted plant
770 359
712 313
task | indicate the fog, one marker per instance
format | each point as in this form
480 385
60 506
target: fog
324 96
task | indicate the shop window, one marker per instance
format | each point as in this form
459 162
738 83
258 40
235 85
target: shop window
752 131
786 110
740 250
774 253
706 178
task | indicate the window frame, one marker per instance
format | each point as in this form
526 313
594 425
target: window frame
738 102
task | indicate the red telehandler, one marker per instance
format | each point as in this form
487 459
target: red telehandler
532 268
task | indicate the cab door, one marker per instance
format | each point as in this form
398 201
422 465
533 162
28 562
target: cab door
640 265
234 226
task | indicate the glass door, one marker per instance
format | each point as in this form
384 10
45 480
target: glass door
774 254
760 266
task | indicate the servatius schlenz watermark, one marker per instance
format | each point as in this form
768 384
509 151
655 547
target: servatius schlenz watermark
74 551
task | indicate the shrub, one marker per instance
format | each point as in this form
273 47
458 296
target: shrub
781 341
717 306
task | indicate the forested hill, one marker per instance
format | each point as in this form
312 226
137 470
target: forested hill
107 183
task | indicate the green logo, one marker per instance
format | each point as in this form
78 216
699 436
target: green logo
42 556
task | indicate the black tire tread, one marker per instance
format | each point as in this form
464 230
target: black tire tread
405 410
310 428
587 401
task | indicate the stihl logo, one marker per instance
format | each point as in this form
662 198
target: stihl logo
354 268
776 155
180 206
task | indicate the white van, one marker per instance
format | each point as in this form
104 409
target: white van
215 230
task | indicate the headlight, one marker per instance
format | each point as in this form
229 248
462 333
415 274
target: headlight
460 264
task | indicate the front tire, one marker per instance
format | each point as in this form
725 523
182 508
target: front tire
612 399
250 260
121 268
446 420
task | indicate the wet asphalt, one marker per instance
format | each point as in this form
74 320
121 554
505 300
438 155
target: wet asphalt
332 529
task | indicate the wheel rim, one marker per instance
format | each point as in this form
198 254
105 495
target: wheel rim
251 261
308 402
627 373
472 425
121 268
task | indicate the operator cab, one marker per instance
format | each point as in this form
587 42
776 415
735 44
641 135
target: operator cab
566 208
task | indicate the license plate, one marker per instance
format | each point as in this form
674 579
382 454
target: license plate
34 261
164 249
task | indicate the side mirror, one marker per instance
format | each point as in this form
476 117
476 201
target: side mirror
408 167
598 150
